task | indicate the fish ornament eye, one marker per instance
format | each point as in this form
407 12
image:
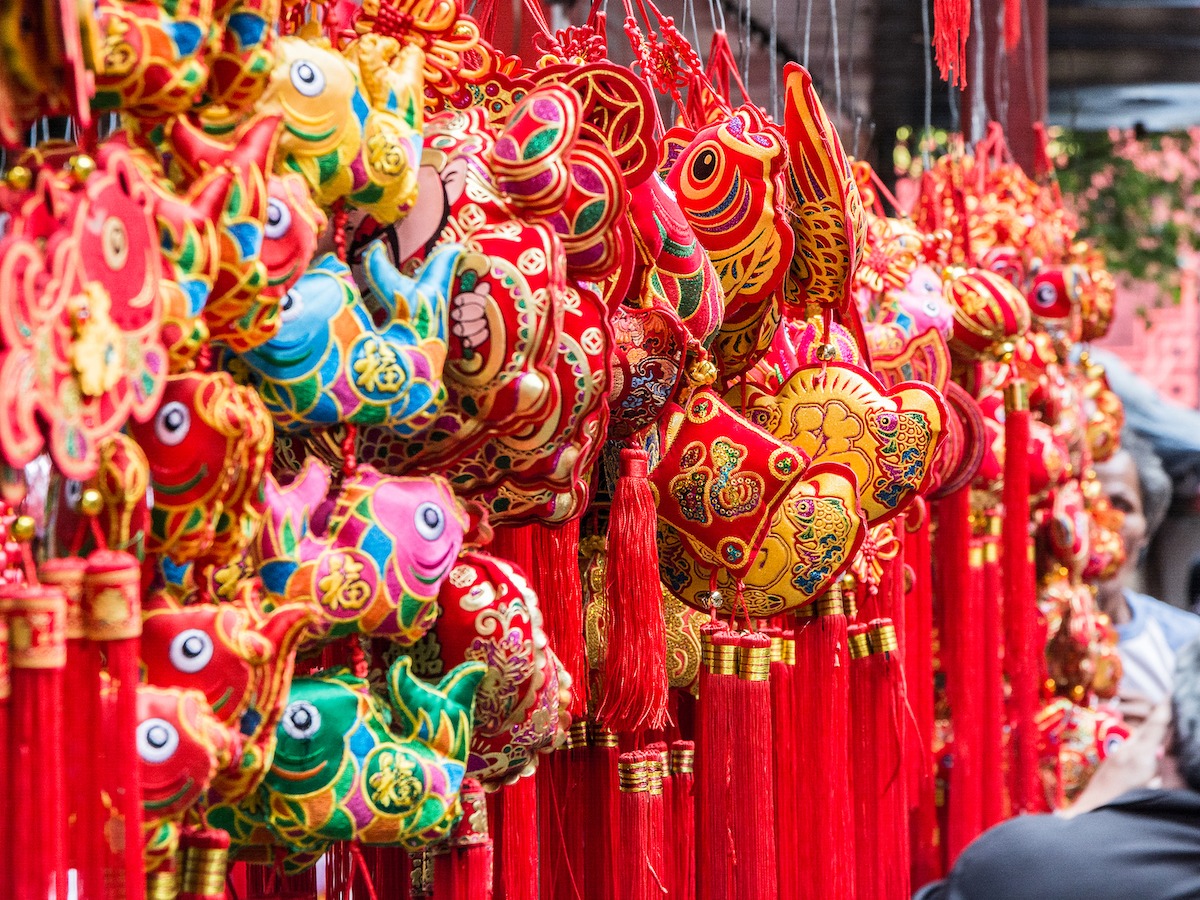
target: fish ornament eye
279 219
704 165
191 650
157 740
172 423
430 521
307 78
291 306
301 720
1045 296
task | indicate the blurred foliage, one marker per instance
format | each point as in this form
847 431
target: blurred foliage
1135 197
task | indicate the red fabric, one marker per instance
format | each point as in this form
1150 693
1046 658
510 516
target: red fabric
1025 662
918 661
1012 24
683 821
634 685
752 806
992 762
516 817
716 721
822 716
951 27
720 480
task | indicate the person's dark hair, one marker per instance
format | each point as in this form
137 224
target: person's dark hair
1185 703
1153 480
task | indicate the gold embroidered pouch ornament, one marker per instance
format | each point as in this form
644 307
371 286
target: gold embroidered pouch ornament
721 480
888 437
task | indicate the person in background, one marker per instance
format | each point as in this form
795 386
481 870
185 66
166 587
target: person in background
1150 632
1194 586
1141 811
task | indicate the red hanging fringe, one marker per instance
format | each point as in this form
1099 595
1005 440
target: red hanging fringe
556 580
558 862
641 858
888 724
789 840
515 811
683 820
1012 24
918 675
205 853
752 786
113 620
1025 656
951 28
162 882
666 870
633 688
821 697
963 652
82 685
717 718
953 543
269 883
6 771
462 869
992 766
391 867
866 780
601 825
37 633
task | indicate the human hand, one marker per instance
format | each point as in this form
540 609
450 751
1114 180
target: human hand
1132 765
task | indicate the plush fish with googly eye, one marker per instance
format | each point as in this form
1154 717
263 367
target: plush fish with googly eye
241 659
352 120
181 747
372 558
207 446
351 765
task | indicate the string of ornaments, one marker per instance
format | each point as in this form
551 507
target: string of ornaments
429 472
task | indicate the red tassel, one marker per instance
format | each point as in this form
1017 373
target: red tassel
557 863
557 583
868 877
918 675
205 854
1012 24
821 698
962 654
789 840
37 635
1025 654
752 794
82 685
575 811
633 690
717 717
888 724
951 27
161 884
641 861
601 835
6 771
515 810
683 820
269 883
462 869
391 867
113 620
665 810
953 584
991 758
